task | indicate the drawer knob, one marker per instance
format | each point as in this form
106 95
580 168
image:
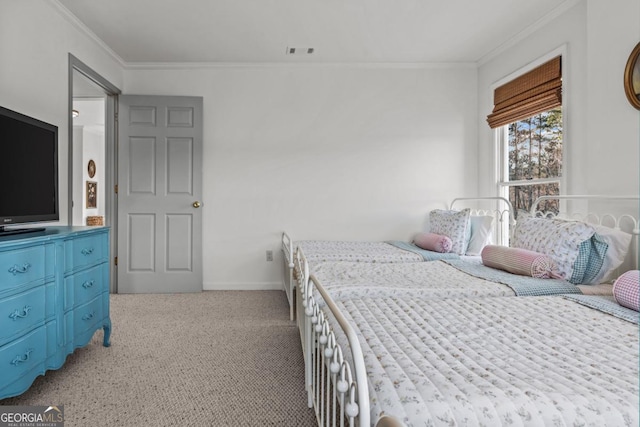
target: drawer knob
87 251
20 314
21 359
88 284
88 316
18 269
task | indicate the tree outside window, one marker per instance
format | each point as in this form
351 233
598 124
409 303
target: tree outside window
533 160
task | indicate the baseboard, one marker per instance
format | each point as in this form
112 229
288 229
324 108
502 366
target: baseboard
231 286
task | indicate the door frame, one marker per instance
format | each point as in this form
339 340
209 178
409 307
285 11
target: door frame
111 170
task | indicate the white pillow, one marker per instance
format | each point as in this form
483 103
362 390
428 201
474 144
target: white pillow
618 242
453 224
481 231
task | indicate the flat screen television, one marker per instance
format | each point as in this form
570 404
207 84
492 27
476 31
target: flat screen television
28 171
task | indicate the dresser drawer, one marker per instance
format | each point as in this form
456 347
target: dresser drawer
22 266
21 356
87 316
85 251
84 286
24 311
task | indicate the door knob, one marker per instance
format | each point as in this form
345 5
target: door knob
196 204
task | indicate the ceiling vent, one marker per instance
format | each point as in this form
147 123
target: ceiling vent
300 51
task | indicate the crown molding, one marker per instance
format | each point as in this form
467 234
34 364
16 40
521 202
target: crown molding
71 18
526 32
365 65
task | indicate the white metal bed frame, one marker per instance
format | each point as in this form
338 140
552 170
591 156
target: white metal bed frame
333 385
287 273
605 219
338 391
503 210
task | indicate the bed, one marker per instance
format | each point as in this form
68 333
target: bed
443 279
497 210
361 252
452 279
455 278
377 285
547 360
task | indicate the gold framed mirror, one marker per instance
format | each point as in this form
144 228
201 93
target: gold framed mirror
632 77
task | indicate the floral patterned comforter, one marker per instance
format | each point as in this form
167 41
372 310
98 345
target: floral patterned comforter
535 361
434 279
333 250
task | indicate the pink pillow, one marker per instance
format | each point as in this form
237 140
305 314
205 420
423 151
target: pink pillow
519 261
433 242
625 290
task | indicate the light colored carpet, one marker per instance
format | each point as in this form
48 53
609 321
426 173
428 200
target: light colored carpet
216 358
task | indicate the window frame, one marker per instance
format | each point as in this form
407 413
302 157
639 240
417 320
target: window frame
501 139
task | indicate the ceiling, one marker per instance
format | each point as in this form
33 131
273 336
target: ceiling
339 31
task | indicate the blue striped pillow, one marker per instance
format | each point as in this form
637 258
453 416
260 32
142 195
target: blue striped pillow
589 261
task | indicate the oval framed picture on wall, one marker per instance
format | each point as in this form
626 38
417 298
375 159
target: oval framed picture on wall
632 77
91 168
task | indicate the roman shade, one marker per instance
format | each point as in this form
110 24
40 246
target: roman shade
537 91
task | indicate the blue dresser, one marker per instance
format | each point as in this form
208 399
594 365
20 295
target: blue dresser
54 295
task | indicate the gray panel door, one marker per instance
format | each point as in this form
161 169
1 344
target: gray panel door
159 194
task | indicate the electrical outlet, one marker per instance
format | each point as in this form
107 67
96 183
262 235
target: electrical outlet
269 256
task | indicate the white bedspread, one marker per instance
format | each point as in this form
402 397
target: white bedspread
424 279
371 252
534 361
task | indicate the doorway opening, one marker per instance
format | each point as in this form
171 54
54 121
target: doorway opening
92 153
89 152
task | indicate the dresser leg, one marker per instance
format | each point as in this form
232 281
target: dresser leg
107 333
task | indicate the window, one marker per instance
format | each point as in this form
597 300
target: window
532 160
527 115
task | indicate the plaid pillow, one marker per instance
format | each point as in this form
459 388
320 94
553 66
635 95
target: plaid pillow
519 261
590 258
625 290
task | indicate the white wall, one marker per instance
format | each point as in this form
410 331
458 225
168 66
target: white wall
341 151
78 179
334 152
89 144
613 125
377 147
94 149
602 129
35 41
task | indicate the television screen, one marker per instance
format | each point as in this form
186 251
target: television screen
28 169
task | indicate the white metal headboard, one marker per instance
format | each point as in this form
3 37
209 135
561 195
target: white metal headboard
502 211
620 213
